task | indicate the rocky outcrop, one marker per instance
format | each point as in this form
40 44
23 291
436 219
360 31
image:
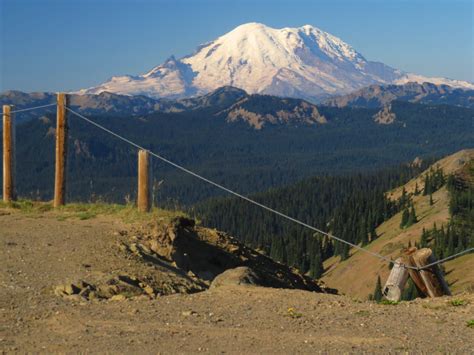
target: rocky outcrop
261 110
385 115
115 289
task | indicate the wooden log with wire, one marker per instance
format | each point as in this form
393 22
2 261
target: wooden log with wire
396 281
430 281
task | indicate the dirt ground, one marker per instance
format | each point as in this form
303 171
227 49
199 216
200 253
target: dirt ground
42 251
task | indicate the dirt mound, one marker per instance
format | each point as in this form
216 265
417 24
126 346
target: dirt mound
164 257
205 253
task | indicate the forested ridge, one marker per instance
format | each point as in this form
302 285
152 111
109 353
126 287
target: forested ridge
232 154
458 234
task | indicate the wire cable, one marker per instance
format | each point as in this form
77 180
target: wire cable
447 258
281 214
32 108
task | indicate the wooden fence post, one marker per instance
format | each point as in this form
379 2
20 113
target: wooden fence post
61 151
9 193
144 188
429 281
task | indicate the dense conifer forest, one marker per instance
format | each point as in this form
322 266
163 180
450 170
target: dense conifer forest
350 207
100 167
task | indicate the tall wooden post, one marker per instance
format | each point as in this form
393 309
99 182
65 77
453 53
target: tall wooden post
144 179
61 151
9 193
144 188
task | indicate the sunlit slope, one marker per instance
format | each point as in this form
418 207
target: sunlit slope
356 276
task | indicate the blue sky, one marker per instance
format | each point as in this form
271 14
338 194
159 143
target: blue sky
55 45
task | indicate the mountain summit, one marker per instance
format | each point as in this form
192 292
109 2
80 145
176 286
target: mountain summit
303 62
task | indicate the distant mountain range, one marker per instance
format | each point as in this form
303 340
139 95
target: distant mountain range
303 62
232 104
375 96
228 103
246 142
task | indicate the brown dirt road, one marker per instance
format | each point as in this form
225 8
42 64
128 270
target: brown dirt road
40 252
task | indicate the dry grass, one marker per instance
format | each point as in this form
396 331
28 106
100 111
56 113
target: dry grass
83 211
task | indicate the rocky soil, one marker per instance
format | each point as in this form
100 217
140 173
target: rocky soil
100 285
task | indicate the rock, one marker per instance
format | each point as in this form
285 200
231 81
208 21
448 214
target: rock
118 298
149 290
242 275
85 292
133 248
122 247
188 313
385 115
107 291
66 290
59 291
76 297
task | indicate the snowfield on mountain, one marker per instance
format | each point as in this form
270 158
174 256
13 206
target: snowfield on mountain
303 62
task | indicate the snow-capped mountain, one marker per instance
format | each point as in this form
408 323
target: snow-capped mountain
303 62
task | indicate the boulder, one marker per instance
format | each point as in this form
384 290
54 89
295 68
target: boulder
241 275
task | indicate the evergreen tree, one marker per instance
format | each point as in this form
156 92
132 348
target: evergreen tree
417 192
431 200
327 248
373 234
277 250
404 198
427 188
410 292
377 296
424 239
344 252
316 268
405 216
412 219
363 236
